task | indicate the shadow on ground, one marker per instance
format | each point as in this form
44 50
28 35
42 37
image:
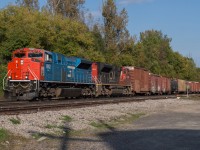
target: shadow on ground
152 139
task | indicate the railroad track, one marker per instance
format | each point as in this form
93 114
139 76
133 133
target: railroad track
19 107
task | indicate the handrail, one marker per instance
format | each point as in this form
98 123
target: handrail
4 79
96 80
35 77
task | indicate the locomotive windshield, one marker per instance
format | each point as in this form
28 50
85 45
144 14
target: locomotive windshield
35 55
20 55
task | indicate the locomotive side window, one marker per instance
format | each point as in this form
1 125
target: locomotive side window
31 55
48 57
20 55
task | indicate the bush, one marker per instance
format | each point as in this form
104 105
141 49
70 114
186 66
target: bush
3 135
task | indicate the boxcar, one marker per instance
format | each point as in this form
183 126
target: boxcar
178 86
198 87
193 86
139 79
156 84
166 85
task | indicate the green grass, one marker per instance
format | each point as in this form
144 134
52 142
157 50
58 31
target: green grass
36 136
15 121
66 118
116 121
49 126
99 125
3 135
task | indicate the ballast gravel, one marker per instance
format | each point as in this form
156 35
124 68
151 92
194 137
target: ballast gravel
50 121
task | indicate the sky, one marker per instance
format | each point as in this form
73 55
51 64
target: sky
178 19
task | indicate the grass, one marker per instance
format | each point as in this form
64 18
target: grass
15 121
49 126
36 136
66 118
3 135
116 121
100 125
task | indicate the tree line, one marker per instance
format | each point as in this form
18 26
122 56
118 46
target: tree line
61 26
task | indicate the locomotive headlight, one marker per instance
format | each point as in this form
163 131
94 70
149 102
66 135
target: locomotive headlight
22 62
9 77
26 77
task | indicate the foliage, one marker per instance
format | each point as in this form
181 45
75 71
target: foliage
15 121
31 4
116 121
66 118
66 8
153 52
21 27
2 75
118 42
3 135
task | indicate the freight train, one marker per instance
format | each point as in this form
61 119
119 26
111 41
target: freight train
37 74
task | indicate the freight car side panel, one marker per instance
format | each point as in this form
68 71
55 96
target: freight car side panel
181 86
156 84
125 77
139 78
166 85
144 80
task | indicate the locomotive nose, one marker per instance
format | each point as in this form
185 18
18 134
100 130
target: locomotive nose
19 70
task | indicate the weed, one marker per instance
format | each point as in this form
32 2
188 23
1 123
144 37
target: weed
66 118
99 125
116 121
3 135
15 121
51 126
36 136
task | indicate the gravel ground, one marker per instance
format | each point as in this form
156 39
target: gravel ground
82 117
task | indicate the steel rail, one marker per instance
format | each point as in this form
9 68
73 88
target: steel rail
33 107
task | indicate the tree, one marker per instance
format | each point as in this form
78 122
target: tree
31 4
116 35
67 8
20 28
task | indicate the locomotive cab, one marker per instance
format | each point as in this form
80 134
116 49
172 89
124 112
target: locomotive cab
24 73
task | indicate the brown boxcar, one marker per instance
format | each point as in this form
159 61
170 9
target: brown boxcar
193 86
182 86
198 87
156 84
166 85
139 79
